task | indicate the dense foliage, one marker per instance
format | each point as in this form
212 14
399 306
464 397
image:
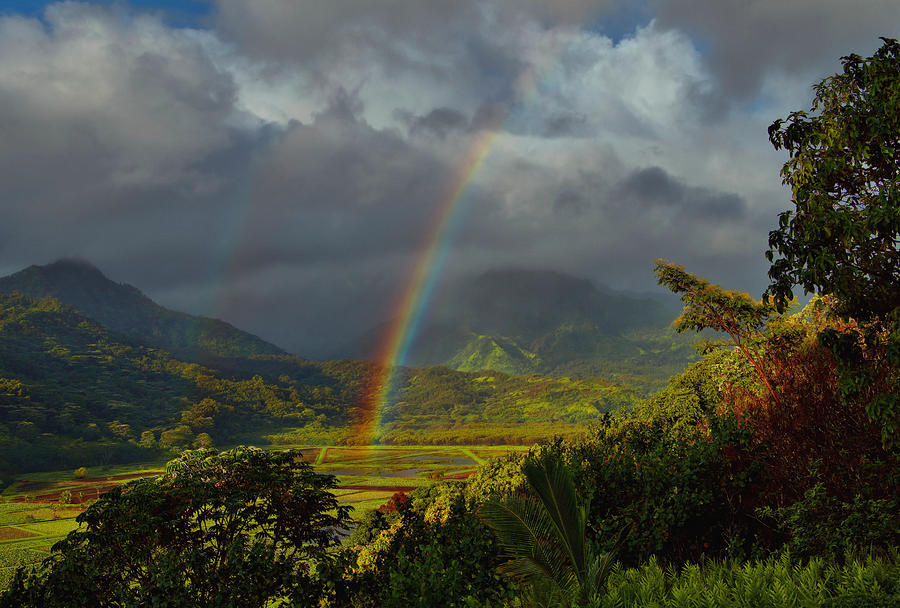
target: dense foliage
769 583
236 528
423 550
843 236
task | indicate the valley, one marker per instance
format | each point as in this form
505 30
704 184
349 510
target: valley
77 392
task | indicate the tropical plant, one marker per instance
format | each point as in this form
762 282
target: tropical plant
424 550
775 582
545 535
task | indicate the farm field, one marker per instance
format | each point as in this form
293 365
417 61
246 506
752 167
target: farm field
39 509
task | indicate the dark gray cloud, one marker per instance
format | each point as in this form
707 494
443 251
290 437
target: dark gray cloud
653 188
439 121
142 167
289 29
283 169
566 125
747 40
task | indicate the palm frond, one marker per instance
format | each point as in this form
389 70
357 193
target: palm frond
544 535
525 531
554 485
606 562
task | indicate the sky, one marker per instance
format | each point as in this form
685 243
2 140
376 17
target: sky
280 163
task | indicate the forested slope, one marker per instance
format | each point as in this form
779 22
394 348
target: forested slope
73 393
124 309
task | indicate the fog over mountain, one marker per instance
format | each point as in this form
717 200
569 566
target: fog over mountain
279 164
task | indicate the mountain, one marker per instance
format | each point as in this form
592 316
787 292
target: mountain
73 393
125 310
527 304
523 321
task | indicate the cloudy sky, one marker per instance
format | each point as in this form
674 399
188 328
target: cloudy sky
280 163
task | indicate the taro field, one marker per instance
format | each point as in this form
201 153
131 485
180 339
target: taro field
40 508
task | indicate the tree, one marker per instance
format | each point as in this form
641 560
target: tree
708 306
843 236
236 528
546 536
147 440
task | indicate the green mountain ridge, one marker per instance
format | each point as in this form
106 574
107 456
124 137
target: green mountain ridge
126 310
73 393
544 322
487 352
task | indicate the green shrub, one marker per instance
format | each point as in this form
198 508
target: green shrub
771 583
823 525
429 552
688 494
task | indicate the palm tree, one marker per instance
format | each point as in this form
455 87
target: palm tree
544 536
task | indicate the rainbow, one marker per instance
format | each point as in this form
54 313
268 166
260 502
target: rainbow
413 301
396 340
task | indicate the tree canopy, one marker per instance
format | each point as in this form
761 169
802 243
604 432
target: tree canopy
236 528
843 236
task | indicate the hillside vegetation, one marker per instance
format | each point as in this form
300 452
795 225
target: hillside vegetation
522 321
123 309
72 393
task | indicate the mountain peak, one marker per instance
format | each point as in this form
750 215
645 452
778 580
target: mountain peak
72 264
124 309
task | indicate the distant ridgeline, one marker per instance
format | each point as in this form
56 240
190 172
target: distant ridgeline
125 310
75 391
545 322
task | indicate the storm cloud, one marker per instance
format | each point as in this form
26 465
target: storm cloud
281 164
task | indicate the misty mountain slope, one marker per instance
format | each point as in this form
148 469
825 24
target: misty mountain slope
527 304
537 321
124 309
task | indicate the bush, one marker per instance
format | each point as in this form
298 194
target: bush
430 551
688 494
823 525
771 583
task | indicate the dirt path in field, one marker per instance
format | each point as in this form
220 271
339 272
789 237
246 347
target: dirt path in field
381 488
479 461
